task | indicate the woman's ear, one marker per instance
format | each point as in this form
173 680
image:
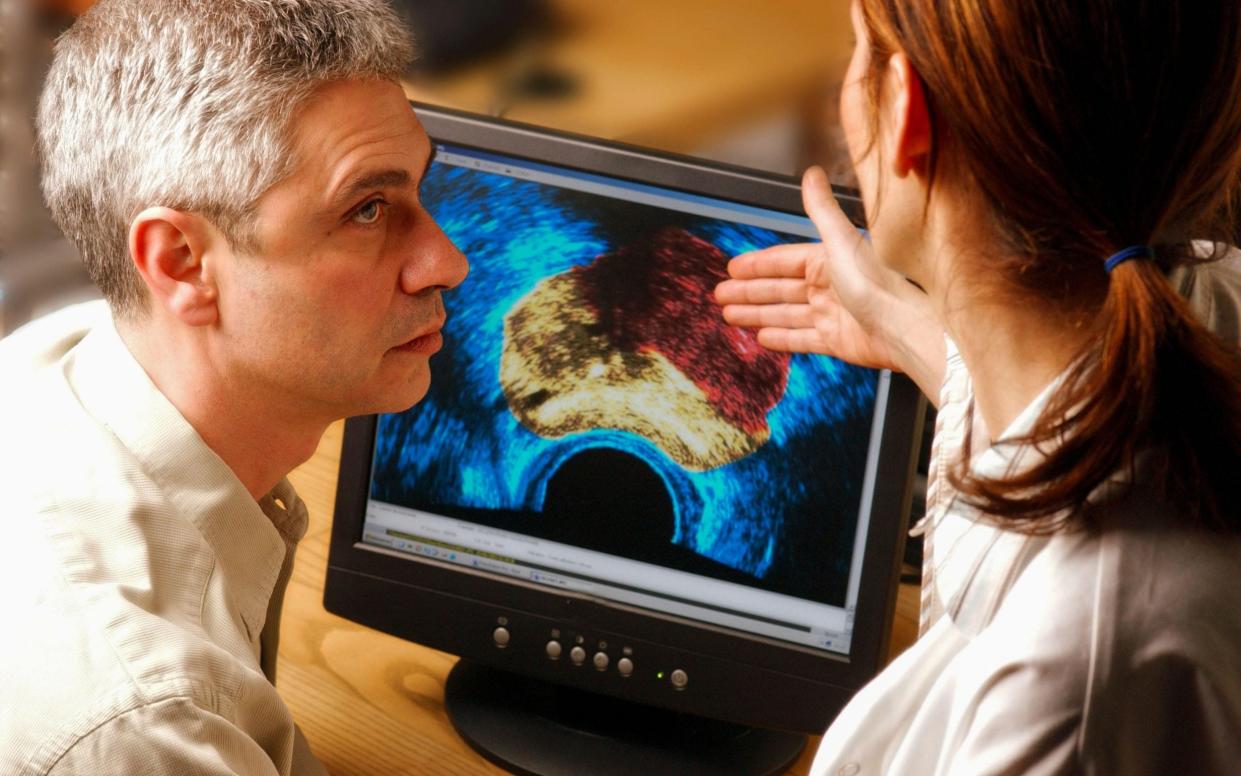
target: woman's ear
170 249
909 133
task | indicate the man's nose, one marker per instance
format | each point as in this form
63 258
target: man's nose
437 265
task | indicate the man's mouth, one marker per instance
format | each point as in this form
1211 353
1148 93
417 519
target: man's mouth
425 344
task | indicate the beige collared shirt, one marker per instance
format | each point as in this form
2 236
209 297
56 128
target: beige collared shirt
140 584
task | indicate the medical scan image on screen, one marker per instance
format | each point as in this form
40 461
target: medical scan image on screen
594 425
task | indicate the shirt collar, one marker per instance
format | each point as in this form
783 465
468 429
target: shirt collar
977 562
249 539
1006 456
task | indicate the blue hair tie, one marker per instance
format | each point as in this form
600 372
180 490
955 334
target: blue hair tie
1132 252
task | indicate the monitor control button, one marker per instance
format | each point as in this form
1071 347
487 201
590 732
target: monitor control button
501 636
601 661
553 649
577 655
679 679
624 666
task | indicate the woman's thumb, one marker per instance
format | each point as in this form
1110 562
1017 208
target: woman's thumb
821 205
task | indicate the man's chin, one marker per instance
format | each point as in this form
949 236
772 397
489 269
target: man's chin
399 400
390 391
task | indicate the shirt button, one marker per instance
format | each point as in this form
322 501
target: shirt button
849 769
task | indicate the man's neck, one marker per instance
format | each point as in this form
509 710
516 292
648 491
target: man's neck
259 442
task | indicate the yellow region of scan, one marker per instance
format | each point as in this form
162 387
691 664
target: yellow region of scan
562 375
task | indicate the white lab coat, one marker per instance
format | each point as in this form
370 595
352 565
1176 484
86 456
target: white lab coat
1116 652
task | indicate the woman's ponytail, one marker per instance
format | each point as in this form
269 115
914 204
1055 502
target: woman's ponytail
1155 383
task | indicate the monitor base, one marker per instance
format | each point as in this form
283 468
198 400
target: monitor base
538 728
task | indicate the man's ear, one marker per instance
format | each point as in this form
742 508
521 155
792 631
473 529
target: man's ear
910 133
170 249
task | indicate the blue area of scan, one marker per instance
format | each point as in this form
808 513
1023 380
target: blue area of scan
462 446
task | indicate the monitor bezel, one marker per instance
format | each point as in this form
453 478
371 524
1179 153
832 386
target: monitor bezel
786 685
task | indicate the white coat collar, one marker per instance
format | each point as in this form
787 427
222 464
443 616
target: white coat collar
975 561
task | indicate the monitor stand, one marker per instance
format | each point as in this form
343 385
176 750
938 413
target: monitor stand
538 728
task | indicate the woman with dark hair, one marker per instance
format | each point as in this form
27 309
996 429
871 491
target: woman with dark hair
1032 172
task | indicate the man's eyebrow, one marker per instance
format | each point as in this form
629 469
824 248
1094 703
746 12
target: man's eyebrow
367 181
394 178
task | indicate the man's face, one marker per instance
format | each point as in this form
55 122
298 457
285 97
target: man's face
338 311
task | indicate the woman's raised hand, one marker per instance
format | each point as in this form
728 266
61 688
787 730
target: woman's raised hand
785 293
815 297
835 298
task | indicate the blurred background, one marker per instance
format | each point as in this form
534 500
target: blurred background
749 83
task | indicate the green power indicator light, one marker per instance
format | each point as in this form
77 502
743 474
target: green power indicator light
659 675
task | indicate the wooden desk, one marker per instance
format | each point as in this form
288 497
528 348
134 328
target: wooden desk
372 704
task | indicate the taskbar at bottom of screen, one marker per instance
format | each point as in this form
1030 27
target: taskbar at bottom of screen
443 552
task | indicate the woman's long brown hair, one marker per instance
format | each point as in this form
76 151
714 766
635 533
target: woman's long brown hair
1086 127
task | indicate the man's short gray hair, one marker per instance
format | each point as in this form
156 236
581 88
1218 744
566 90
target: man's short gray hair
187 104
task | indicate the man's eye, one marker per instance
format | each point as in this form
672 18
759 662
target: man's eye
369 213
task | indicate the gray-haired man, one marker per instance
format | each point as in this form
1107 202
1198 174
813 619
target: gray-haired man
241 177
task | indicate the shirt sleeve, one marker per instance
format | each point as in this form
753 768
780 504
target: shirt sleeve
1169 715
1023 718
173 736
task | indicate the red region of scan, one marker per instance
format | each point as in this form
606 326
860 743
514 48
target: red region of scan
656 295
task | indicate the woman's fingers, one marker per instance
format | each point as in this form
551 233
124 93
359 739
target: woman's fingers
761 291
762 316
792 340
787 292
778 261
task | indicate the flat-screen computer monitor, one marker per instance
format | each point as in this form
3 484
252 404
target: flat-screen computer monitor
609 490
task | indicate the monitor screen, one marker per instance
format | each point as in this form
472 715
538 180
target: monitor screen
607 488
594 426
